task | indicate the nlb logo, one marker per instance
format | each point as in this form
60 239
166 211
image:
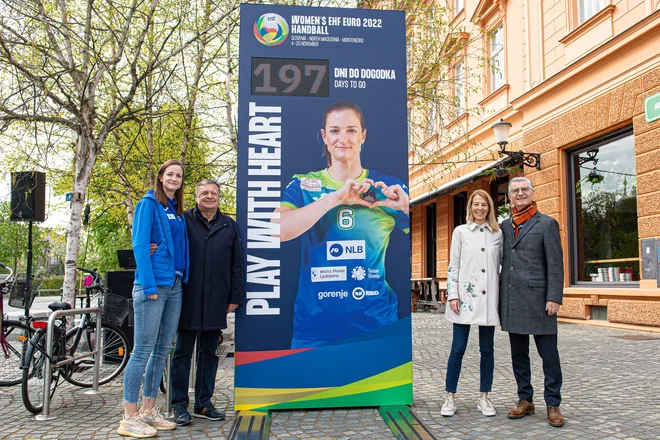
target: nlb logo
271 29
346 250
359 293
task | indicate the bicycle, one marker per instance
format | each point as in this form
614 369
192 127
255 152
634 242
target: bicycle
14 334
67 343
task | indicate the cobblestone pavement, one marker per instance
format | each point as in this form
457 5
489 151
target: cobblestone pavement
611 390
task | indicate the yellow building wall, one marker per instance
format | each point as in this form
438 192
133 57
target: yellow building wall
567 85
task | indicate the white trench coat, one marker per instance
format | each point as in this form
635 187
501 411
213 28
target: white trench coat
473 274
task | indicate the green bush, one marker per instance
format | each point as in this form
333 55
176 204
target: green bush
54 282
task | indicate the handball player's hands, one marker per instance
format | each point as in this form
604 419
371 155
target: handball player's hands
397 198
349 194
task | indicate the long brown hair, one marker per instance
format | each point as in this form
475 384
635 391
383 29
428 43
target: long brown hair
337 107
159 191
490 218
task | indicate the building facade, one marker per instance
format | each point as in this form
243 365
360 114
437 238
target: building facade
572 77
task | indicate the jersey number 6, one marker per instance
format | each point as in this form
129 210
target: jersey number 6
345 218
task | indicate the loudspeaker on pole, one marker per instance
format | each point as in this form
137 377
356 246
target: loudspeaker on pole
28 196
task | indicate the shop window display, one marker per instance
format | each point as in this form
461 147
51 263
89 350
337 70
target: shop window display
604 237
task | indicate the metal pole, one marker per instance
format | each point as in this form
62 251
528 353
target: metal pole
45 412
193 367
168 386
27 294
97 358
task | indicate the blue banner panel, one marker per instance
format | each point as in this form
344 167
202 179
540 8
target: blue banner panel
323 209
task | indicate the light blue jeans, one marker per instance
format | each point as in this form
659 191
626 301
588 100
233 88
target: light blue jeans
156 322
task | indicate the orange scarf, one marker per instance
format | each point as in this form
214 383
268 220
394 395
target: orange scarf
520 217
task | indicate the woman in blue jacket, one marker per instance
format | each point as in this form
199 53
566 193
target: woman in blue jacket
156 297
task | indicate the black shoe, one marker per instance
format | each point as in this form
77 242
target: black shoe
209 412
181 416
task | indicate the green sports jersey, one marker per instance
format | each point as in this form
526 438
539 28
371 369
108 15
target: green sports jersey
342 289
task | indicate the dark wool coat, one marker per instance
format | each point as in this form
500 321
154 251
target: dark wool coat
532 273
216 272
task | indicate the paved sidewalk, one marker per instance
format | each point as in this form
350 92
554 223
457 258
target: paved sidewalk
611 390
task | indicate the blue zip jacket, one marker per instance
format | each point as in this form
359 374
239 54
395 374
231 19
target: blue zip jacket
150 225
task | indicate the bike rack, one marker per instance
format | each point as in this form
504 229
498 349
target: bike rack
169 414
193 366
45 413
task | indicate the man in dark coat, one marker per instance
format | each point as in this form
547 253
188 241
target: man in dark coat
214 289
531 291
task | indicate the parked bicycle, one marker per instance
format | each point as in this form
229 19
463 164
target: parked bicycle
68 343
14 334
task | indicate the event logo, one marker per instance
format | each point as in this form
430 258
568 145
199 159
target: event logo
346 250
271 29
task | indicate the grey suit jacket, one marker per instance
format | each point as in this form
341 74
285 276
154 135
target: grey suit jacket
532 273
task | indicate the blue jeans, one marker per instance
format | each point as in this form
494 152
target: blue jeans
156 321
458 345
207 366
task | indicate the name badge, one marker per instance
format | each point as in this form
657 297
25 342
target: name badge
171 216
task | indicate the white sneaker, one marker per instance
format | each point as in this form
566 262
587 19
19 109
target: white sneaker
449 408
136 428
156 420
486 406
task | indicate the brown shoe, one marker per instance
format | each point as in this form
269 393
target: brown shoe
554 416
523 409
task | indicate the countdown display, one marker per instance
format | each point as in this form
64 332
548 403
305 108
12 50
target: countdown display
290 77
323 207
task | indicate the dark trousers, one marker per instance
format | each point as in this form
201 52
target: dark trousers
458 345
547 348
207 366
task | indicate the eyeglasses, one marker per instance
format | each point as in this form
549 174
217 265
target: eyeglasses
520 191
208 193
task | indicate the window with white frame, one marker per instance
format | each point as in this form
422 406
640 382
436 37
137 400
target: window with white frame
587 9
459 87
497 58
458 6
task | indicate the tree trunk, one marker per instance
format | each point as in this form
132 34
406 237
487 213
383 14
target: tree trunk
84 162
130 211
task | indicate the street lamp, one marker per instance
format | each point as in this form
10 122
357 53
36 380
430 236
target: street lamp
501 129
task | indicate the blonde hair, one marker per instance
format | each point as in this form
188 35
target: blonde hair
490 218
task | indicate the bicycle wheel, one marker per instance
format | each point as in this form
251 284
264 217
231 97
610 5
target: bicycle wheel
16 336
114 354
32 383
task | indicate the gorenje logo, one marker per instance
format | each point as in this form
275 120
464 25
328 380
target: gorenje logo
341 294
346 250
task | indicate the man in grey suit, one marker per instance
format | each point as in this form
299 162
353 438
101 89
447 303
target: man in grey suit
531 291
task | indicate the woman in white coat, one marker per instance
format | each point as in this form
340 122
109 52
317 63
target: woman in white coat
473 295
